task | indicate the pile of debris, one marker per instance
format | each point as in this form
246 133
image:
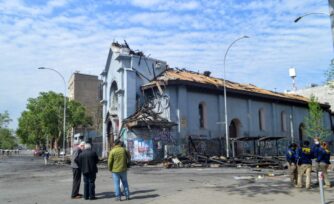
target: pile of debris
60 161
252 161
197 160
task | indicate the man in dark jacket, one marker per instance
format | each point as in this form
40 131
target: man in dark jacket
76 170
315 149
323 160
291 159
87 161
304 158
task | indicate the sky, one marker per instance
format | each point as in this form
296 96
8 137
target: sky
75 35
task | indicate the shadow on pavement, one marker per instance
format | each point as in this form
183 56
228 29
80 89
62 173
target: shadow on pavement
105 195
142 191
145 196
253 189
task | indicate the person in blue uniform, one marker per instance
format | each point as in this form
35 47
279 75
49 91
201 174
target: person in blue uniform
315 149
323 162
292 164
304 158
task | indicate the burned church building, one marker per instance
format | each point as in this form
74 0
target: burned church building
158 111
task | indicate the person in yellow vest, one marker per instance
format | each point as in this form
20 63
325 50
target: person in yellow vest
118 165
323 160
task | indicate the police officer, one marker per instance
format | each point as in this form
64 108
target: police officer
323 162
292 166
315 149
316 146
304 158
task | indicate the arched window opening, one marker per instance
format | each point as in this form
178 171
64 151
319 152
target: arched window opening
113 98
301 133
284 126
262 124
202 115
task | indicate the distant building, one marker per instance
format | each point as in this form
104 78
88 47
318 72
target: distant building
324 93
160 111
86 89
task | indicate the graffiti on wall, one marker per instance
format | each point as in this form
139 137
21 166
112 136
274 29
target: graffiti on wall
164 136
205 146
140 149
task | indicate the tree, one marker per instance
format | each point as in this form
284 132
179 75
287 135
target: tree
7 140
78 115
314 121
43 119
4 119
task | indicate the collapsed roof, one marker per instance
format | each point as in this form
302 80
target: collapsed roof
185 77
145 116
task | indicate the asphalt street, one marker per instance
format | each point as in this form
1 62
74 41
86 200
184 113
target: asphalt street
26 180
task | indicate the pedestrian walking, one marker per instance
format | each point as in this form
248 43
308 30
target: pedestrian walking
76 170
128 165
304 157
323 162
292 164
46 156
87 161
118 165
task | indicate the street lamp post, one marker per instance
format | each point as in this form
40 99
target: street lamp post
331 7
225 103
64 120
300 17
330 15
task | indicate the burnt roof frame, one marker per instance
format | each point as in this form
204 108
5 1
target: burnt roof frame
200 87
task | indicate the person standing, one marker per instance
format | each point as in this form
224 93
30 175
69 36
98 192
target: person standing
117 163
46 156
87 161
76 171
292 166
315 149
323 161
304 158
316 146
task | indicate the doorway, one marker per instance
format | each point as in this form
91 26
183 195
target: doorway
234 133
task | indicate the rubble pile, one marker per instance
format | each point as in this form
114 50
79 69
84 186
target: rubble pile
252 161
